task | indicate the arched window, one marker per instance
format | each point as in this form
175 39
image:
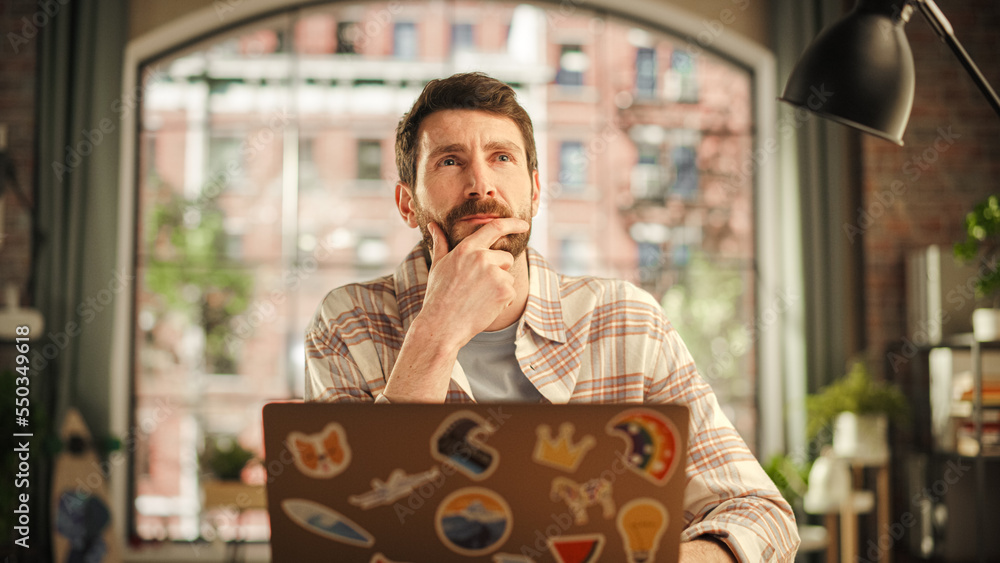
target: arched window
265 178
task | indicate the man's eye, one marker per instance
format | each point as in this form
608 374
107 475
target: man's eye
505 158
448 162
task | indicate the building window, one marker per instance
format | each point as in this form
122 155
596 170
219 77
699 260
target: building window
225 157
572 64
645 73
576 255
648 179
572 166
369 159
686 176
346 33
682 78
404 40
462 37
650 263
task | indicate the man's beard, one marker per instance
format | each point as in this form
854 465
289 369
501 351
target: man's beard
515 243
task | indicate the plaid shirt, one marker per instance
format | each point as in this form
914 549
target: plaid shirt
580 340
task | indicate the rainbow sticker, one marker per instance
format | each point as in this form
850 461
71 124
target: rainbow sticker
473 521
651 443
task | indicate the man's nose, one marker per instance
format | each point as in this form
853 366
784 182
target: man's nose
479 180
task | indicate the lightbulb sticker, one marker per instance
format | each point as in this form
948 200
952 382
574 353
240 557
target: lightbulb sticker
641 522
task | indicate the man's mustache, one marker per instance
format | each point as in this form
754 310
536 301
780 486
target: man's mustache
476 207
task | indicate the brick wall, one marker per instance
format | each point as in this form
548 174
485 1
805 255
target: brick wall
951 161
18 47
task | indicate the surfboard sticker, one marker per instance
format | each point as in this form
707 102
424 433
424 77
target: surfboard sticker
326 522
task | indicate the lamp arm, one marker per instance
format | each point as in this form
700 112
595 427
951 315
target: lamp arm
942 27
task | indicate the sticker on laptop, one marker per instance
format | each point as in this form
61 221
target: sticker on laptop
398 485
379 558
641 523
460 442
510 558
560 452
326 522
651 443
581 496
584 548
322 455
473 521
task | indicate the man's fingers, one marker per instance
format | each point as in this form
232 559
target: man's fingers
439 242
503 259
496 229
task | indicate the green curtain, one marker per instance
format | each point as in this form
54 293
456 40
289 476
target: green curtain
80 60
821 159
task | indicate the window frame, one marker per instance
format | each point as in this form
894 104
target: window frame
781 351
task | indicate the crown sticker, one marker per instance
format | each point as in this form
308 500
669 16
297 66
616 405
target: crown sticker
560 452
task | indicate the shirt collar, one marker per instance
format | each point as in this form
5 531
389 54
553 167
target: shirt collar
543 313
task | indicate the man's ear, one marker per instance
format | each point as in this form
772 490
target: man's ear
405 205
536 192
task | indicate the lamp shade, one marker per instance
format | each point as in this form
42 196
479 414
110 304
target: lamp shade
859 71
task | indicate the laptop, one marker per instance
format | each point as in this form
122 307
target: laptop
501 483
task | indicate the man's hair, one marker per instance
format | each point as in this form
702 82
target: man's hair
473 90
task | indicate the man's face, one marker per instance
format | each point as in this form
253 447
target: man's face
471 168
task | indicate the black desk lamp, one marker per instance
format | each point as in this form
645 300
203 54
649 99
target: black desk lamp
863 68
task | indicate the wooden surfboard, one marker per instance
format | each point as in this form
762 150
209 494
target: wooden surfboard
81 513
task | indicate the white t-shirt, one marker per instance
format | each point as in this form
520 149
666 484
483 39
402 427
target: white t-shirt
491 366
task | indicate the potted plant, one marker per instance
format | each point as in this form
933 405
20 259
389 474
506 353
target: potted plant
982 242
790 476
223 462
858 409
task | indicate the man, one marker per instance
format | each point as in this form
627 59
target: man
473 314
